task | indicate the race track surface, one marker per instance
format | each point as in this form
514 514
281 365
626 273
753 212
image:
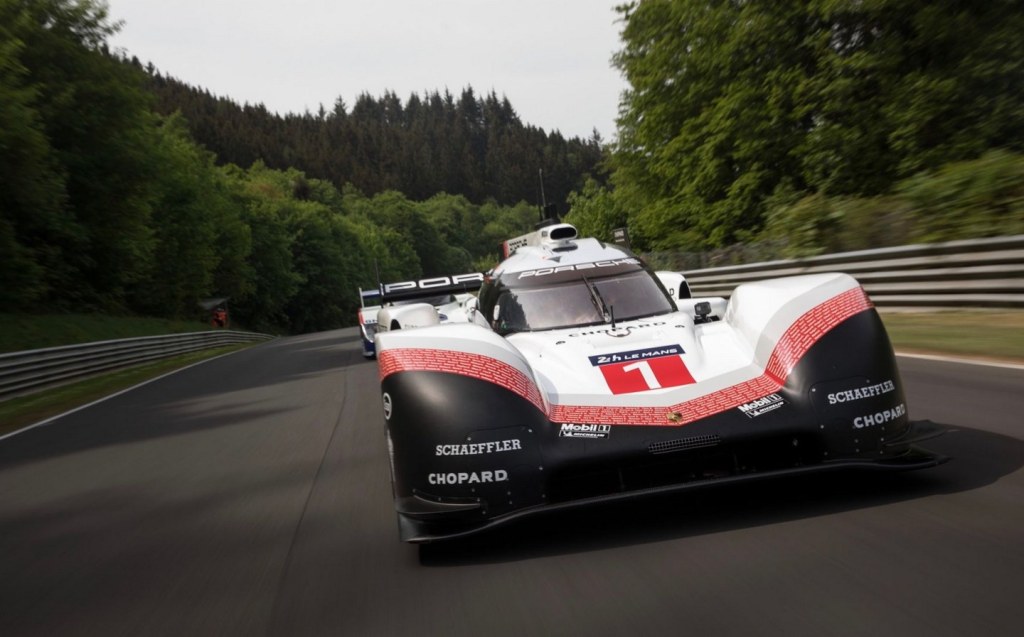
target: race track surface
249 495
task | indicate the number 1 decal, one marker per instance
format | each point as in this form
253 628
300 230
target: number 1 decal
647 372
643 370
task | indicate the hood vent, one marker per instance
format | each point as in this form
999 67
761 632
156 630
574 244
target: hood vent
684 444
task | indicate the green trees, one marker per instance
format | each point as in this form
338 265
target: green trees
106 205
50 63
473 145
199 240
31 188
96 114
735 106
595 211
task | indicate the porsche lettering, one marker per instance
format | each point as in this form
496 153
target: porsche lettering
581 266
436 282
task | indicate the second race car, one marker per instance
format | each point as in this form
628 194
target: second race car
408 304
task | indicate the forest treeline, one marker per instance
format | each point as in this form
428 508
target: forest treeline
815 125
108 204
472 145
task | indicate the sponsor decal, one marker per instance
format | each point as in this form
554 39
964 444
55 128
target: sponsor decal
514 244
436 282
582 266
643 369
880 418
860 393
387 405
619 331
468 477
368 317
572 430
636 355
478 448
762 405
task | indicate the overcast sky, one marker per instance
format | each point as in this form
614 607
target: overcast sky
551 58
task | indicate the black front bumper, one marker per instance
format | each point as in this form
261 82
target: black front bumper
422 518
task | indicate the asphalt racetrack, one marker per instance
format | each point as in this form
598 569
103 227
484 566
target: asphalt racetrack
249 495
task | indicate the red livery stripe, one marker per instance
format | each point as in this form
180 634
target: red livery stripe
810 327
793 345
464 364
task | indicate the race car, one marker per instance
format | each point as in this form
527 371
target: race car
413 304
578 378
369 305
426 302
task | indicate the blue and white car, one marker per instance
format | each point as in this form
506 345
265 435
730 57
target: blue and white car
408 304
369 305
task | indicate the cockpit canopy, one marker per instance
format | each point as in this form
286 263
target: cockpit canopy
570 296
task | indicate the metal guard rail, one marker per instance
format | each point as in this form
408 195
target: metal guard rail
956 274
32 370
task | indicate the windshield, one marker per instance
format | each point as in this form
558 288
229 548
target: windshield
579 302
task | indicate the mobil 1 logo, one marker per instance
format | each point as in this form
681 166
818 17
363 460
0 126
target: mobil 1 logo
592 432
762 405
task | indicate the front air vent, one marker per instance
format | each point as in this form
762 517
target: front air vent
684 444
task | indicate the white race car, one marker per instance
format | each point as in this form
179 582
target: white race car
409 304
427 302
369 305
578 377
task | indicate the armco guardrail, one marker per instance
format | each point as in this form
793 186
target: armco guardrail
955 274
24 372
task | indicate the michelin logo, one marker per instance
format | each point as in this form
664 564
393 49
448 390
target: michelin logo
761 406
572 430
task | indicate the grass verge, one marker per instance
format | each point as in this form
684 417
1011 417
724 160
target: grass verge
31 331
26 410
996 335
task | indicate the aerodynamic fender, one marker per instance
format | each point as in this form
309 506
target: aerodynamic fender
460 438
394 317
480 453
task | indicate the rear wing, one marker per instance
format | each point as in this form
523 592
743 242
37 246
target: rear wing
425 288
369 298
